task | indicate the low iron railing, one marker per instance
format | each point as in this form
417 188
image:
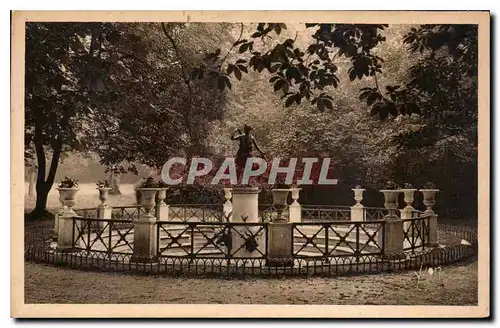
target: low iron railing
215 239
328 239
196 212
106 236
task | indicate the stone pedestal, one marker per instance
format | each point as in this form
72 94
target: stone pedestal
246 204
65 231
161 211
103 213
279 244
394 237
433 236
406 214
358 213
227 207
295 213
227 211
246 209
145 240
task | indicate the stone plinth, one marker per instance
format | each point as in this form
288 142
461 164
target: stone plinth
358 213
394 236
65 230
161 211
246 204
433 236
103 213
295 213
144 240
279 244
246 209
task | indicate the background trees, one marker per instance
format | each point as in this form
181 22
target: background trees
386 102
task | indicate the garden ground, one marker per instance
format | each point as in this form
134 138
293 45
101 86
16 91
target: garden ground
454 285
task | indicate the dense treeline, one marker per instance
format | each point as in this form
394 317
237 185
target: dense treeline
385 102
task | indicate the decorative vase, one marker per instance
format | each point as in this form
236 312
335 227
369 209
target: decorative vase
67 197
161 196
279 202
429 199
391 202
295 195
147 196
409 197
358 196
103 195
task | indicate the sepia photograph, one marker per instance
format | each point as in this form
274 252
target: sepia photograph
214 158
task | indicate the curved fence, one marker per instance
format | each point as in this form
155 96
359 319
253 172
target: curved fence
198 239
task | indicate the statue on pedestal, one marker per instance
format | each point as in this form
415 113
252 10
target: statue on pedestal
245 150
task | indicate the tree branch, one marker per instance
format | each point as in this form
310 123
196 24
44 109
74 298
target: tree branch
232 47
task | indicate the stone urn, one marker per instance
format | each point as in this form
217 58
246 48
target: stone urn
391 202
358 196
409 196
161 196
103 195
279 202
429 198
295 195
228 194
67 198
147 196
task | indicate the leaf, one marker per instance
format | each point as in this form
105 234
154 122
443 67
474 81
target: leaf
290 101
230 69
237 73
279 85
352 74
241 61
277 28
371 98
243 68
243 48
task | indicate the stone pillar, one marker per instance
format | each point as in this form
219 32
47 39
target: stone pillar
65 231
295 209
246 209
406 213
227 207
56 219
103 213
145 232
280 244
161 209
145 229
394 237
358 210
433 222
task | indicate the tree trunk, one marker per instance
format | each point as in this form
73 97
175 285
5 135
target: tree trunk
31 180
43 185
114 182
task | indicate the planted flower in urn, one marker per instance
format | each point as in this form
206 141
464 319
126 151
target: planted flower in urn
68 188
409 193
429 192
391 193
147 190
104 187
358 194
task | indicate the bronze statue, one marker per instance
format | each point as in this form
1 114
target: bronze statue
245 150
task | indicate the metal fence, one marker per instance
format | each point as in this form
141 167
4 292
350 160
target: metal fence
337 239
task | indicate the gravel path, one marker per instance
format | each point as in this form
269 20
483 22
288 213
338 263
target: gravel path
456 285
